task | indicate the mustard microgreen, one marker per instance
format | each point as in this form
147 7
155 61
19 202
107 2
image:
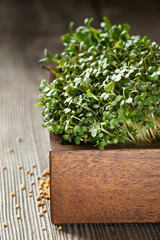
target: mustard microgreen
106 88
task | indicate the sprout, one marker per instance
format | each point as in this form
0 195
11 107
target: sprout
107 87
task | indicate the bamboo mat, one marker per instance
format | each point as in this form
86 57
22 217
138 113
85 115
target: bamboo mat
26 28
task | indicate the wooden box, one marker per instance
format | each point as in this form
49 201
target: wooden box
115 185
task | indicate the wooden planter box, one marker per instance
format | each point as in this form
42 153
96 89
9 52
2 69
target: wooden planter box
115 185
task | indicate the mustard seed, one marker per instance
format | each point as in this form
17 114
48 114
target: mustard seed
60 228
19 139
28 171
17 206
33 165
22 186
4 167
30 195
18 217
43 228
41 191
20 166
46 172
40 214
5 224
47 197
12 194
44 210
31 173
11 150
38 198
32 182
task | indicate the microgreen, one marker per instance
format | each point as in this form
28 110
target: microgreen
106 88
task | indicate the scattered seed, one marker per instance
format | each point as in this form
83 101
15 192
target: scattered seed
43 203
41 191
4 167
46 172
41 184
30 191
38 177
22 186
31 173
60 228
5 224
18 217
116 235
40 214
43 228
20 166
38 198
20 139
12 194
17 206
30 195
11 149
44 210
28 171
33 165
47 197
39 204
32 182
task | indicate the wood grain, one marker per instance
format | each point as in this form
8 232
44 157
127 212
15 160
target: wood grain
26 28
93 186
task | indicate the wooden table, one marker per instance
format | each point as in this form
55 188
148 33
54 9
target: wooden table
26 28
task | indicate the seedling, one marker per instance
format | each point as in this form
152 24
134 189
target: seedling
106 88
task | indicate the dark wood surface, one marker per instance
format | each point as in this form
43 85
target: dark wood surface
110 186
26 28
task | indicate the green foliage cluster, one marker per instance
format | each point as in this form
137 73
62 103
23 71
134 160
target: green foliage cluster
107 87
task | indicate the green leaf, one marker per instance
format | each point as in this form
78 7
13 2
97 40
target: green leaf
88 22
46 54
115 140
77 128
109 87
91 94
39 104
102 145
71 25
126 27
93 132
77 140
151 124
121 118
129 100
107 22
89 114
